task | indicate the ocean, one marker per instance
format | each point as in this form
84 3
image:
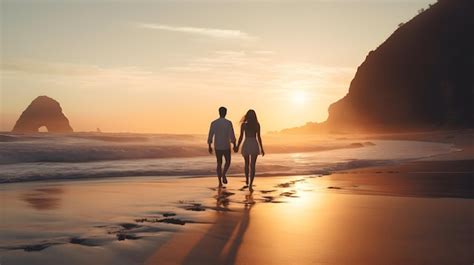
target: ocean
44 156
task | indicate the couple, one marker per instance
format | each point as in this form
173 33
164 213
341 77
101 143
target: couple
222 132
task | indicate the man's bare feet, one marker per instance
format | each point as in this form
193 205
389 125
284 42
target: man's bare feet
250 188
224 179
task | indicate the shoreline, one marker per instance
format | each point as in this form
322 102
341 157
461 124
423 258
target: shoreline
277 165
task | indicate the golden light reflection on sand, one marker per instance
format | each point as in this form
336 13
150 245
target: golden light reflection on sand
286 220
326 226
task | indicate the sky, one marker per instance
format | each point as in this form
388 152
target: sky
167 66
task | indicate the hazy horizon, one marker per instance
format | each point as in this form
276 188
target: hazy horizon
165 67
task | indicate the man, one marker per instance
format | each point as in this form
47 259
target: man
223 133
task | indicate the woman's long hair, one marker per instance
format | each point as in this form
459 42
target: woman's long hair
250 119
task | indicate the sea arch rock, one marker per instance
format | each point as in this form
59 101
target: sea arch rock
43 111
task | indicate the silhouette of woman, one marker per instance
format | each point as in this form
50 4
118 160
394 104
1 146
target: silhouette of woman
252 145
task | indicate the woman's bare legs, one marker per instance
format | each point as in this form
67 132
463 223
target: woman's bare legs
247 161
253 161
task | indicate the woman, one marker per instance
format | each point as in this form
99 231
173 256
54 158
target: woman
252 145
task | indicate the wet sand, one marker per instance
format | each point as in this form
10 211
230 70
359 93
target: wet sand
415 213
110 221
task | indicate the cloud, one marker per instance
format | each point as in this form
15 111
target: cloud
64 69
208 32
264 52
263 73
321 79
233 71
75 75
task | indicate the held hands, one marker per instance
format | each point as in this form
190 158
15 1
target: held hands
236 148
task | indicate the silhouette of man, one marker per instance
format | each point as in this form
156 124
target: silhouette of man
222 132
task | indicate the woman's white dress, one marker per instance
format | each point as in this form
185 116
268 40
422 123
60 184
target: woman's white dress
250 146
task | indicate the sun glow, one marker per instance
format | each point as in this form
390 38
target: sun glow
299 97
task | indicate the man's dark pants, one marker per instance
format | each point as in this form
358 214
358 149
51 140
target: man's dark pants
219 155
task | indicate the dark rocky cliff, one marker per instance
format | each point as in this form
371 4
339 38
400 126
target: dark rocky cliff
421 77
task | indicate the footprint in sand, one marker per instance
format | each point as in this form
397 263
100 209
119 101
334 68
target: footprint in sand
290 194
174 221
168 214
268 198
37 246
196 207
123 236
289 183
267 191
90 241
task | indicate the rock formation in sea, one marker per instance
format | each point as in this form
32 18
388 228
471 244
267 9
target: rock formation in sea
43 111
420 78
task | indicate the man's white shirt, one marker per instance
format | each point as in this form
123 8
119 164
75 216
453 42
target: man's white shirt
223 133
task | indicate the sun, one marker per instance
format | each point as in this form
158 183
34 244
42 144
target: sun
299 97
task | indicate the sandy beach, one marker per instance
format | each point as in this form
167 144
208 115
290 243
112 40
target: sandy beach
414 213
368 216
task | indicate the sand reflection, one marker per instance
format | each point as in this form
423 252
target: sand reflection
221 242
218 243
48 198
